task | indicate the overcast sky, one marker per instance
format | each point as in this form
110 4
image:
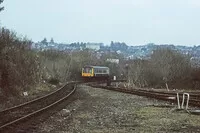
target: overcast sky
134 22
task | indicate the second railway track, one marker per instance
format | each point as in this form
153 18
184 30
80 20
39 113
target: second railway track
12 116
167 96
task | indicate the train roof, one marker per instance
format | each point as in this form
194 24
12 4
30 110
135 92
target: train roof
97 66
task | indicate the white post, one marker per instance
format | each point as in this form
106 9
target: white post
178 101
188 97
167 86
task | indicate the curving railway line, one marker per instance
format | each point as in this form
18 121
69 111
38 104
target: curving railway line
11 117
15 115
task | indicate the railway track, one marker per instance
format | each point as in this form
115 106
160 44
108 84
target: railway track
15 115
194 99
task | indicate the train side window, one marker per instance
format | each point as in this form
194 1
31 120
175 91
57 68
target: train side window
107 71
100 71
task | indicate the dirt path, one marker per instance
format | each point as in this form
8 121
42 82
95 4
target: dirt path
102 111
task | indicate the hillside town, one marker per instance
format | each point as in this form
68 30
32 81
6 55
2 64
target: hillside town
129 52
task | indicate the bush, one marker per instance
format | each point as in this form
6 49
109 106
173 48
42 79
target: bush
19 66
165 66
65 65
54 65
53 81
170 64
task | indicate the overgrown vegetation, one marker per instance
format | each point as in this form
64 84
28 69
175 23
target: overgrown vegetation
19 65
22 68
165 67
63 66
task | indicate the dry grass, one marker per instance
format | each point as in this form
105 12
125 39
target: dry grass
164 119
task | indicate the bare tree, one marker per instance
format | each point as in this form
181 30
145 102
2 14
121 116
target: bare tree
18 63
1 8
170 65
165 67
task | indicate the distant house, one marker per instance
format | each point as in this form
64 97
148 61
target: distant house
94 46
113 61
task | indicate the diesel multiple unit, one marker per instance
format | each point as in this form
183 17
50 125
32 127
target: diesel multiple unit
95 72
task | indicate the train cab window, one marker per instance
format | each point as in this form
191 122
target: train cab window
87 70
90 71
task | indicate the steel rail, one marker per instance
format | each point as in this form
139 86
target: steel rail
40 110
32 101
39 98
194 100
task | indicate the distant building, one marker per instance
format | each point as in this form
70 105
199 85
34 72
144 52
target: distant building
113 61
118 46
94 46
118 52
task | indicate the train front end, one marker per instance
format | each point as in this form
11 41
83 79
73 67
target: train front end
87 73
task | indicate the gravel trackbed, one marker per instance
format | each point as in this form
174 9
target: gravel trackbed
97 110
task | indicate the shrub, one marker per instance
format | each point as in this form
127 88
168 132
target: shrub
170 64
19 66
165 66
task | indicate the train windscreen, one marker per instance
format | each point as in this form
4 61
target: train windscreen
87 70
